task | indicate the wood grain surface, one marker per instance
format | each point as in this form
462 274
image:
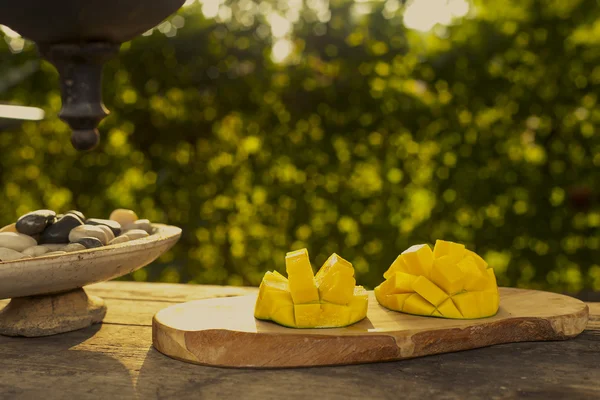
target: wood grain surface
116 360
224 332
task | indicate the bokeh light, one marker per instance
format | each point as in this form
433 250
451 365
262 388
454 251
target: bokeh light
356 127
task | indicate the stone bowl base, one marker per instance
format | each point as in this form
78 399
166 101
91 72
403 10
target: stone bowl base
50 314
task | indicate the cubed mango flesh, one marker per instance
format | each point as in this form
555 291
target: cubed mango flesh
335 280
419 259
328 300
399 282
450 282
301 277
445 248
429 291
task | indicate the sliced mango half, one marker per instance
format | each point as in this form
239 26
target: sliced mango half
449 281
330 299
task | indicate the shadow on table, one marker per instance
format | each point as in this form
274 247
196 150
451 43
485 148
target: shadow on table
534 370
56 362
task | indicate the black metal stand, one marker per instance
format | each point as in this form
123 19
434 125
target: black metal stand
80 68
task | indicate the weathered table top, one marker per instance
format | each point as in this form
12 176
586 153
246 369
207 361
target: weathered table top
116 360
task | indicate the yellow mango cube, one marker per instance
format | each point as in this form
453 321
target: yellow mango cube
472 274
271 292
480 262
447 275
337 288
400 282
448 310
307 315
334 315
334 264
284 315
335 280
396 301
429 291
418 259
487 303
399 265
444 248
468 305
358 305
492 284
415 304
301 277
274 276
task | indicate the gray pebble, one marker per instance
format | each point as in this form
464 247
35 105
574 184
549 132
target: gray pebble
35 222
7 254
142 224
59 231
73 247
137 234
90 242
85 231
113 225
16 241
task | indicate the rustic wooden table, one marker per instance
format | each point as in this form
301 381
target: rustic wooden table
116 360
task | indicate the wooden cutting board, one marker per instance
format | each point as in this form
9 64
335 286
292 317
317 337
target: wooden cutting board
224 332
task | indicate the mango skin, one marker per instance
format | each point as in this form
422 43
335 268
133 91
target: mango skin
448 282
328 300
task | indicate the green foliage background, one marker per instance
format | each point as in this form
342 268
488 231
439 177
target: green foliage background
371 138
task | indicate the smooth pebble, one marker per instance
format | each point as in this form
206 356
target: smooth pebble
120 239
7 254
113 225
142 224
16 241
54 246
90 242
109 233
59 231
54 253
79 214
85 231
35 222
73 247
123 216
9 228
137 234
36 251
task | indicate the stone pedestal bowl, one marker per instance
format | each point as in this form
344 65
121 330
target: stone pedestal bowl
47 295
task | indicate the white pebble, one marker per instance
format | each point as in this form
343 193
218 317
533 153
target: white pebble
36 251
119 239
142 224
9 228
9 254
137 234
109 233
53 253
16 241
73 247
123 216
83 231
54 246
